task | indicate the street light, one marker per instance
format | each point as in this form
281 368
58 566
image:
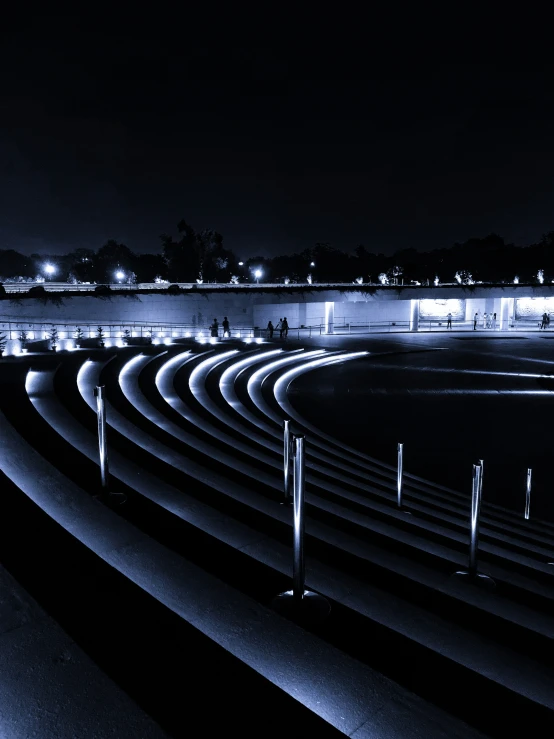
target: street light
257 275
241 264
312 264
50 269
119 275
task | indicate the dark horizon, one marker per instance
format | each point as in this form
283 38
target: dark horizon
102 140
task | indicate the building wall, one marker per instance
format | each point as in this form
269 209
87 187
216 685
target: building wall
184 309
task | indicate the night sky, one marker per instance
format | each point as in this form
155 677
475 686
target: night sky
120 135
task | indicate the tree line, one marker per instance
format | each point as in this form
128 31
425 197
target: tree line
200 256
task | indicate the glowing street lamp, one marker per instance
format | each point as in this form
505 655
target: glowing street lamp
241 264
257 275
312 264
119 275
50 269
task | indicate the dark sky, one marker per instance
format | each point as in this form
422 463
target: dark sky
121 134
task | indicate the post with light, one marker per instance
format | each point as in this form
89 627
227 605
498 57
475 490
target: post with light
299 603
528 494
257 275
286 461
472 573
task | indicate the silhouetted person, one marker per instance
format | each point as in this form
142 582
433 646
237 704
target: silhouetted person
214 328
449 321
225 324
475 319
279 328
285 329
494 320
270 329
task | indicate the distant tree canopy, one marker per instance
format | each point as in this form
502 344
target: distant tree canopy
200 256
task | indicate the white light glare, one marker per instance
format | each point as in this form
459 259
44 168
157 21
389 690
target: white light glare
188 335
248 341
167 340
155 341
49 269
259 341
120 275
213 340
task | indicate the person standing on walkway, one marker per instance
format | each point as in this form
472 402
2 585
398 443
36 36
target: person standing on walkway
486 320
214 328
285 327
225 324
279 328
542 324
270 330
475 319
493 321
449 321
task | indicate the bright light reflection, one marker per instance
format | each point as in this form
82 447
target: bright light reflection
248 341
235 369
213 340
167 341
207 364
287 378
259 341
155 341
269 368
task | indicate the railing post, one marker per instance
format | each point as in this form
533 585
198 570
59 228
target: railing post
528 494
472 573
300 604
286 461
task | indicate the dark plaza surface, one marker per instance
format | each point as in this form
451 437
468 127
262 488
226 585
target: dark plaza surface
452 399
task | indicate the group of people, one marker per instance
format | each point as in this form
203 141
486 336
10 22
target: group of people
282 327
214 328
489 320
545 322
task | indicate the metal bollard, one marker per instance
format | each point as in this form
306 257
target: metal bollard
286 461
113 498
102 442
298 571
399 473
528 494
472 572
299 603
475 512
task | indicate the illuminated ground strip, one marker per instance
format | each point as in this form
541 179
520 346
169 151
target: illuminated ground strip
128 380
